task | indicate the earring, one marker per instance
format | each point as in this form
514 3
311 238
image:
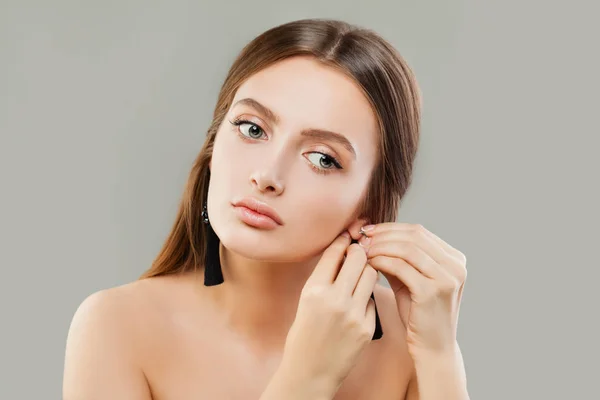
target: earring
378 331
213 274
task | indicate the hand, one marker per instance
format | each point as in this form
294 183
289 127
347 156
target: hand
427 276
335 319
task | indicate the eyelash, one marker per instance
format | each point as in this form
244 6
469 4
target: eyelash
323 171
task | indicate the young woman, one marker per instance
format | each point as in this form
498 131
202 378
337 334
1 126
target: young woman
266 287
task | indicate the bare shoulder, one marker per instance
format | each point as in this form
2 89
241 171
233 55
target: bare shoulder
125 308
102 350
111 308
108 302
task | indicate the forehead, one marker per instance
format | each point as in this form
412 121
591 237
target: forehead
307 94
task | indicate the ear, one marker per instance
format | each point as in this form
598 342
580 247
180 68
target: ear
355 226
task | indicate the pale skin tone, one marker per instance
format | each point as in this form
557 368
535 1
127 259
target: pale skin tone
278 167
171 337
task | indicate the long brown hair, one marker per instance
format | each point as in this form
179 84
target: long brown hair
387 82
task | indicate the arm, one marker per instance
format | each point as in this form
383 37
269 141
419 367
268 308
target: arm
438 376
99 356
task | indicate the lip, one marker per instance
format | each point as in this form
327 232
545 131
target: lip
259 208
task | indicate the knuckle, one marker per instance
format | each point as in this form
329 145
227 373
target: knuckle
463 274
380 260
420 234
337 305
365 334
338 246
314 291
418 228
447 287
355 322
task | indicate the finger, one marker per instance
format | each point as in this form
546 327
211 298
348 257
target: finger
415 281
351 270
402 226
419 238
446 264
410 253
365 286
328 266
453 252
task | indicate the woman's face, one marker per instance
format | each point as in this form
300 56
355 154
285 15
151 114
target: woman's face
315 181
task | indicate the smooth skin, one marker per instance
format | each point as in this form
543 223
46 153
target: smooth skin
119 346
171 337
336 309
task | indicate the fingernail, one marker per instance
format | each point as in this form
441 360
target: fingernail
346 234
367 228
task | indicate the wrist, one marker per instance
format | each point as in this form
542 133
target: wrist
448 354
290 382
441 375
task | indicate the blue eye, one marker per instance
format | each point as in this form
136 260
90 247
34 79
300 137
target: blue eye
253 130
323 161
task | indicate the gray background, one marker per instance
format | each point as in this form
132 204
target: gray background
104 105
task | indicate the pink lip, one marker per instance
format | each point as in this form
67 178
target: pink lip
257 213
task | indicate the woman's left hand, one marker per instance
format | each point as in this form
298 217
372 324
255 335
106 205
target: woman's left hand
427 276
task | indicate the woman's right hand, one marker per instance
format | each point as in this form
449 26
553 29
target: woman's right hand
335 319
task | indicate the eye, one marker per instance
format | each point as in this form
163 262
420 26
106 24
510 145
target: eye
323 161
249 129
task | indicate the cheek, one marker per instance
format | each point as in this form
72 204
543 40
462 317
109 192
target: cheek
318 216
328 208
227 154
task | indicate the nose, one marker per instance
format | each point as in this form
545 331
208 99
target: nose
266 181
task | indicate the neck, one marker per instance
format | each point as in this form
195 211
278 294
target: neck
258 300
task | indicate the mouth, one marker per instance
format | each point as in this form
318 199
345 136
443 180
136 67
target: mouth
257 213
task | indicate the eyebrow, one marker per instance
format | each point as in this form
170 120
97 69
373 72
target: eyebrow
313 133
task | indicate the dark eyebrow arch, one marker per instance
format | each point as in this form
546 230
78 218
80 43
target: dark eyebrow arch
314 133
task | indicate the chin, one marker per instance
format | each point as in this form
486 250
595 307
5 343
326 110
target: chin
274 245
261 245
258 252
249 242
